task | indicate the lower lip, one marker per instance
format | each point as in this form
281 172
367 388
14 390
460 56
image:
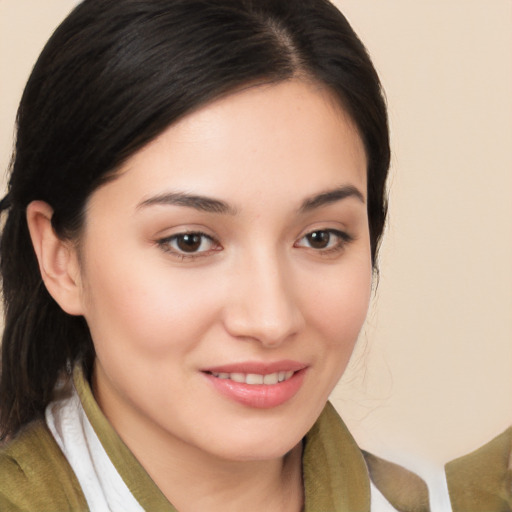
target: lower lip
259 396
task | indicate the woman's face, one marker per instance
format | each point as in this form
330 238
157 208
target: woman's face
226 274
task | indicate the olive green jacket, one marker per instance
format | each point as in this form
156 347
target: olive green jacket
36 477
482 480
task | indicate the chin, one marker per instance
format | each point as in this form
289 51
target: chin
255 452
254 440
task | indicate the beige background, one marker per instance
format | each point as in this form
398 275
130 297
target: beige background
432 376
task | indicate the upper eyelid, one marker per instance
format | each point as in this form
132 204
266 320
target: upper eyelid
341 231
338 232
187 232
171 232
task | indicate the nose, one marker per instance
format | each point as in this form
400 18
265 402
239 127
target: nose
263 303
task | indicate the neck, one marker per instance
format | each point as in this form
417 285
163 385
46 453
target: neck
218 485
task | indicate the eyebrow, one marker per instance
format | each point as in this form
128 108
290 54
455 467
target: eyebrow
331 196
201 203
210 205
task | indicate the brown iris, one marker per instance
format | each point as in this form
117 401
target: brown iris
319 239
189 242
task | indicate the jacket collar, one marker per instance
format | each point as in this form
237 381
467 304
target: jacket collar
334 471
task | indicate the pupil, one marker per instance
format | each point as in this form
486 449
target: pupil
189 243
319 239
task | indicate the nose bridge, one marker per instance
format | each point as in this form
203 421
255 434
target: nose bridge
264 304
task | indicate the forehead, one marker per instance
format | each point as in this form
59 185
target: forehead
289 139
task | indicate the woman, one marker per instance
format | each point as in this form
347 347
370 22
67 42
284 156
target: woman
194 212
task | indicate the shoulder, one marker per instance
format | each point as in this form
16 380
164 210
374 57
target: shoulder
35 475
482 479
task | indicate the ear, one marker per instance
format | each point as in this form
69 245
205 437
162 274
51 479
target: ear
58 260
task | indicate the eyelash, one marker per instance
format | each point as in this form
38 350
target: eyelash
343 239
165 244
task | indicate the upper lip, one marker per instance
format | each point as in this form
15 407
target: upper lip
257 367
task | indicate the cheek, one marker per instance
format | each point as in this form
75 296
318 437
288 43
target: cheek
145 310
339 304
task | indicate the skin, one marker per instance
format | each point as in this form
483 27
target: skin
256 288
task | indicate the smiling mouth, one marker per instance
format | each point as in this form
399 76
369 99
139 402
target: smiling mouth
258 387
255 378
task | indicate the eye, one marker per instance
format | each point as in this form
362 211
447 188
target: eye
189 244
326 240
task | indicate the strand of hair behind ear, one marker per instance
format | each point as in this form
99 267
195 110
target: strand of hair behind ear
30 365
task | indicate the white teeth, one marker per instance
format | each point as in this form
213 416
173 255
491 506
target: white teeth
255 378
271 378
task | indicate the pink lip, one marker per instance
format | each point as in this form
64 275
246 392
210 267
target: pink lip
259 396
